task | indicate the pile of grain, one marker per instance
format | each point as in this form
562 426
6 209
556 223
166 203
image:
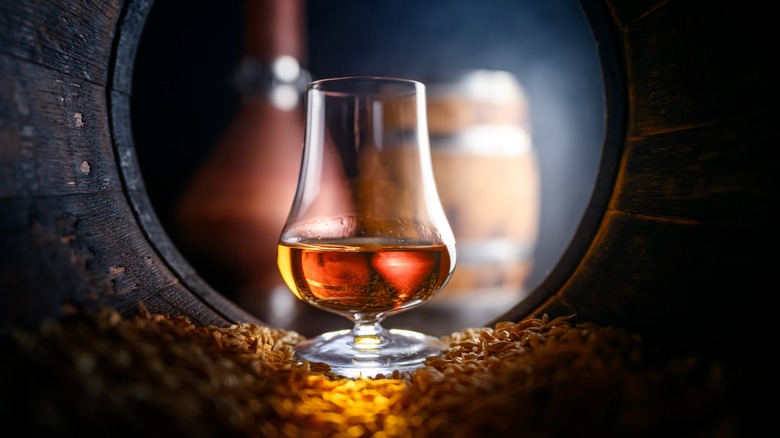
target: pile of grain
154 375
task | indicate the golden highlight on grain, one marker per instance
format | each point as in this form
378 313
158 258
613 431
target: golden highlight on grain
155 375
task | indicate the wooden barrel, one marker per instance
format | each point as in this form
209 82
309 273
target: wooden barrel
487 175
670 244
76 226
673 244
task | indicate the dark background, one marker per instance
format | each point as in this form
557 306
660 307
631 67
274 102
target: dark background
182 100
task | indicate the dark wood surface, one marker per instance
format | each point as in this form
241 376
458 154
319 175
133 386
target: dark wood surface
76 227
673 243
677 251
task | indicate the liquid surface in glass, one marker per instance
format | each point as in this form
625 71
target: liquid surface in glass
364 275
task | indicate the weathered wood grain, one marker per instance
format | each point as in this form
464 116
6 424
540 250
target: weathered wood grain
678 250
76 227
55 132
718 173
72 38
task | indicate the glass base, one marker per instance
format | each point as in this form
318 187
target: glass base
367 356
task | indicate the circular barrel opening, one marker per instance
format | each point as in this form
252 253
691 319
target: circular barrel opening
516 111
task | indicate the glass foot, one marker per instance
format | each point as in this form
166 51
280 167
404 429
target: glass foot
354 356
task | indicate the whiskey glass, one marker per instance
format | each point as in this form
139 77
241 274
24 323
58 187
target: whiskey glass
366 236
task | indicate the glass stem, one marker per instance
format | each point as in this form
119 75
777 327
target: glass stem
367 333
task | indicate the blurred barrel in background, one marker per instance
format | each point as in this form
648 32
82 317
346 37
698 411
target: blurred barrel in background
488 180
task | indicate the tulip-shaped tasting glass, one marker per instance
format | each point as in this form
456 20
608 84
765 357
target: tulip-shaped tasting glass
366 236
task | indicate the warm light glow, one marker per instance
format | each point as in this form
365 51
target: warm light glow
367 341
358 407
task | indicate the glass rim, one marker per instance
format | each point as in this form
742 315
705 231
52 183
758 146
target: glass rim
350 85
